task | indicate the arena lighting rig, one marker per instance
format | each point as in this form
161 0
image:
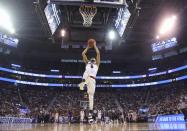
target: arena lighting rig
168 25
5 21
111 35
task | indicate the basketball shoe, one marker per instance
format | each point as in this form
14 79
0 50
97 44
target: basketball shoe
81 86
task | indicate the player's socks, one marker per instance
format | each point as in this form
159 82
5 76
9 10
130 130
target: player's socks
90 117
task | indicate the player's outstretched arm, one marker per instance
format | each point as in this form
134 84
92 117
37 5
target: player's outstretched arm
85 59
97 55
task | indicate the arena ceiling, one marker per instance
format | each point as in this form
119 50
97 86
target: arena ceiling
35 41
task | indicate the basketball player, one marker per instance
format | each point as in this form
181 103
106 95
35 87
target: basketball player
82 115
89 76
99 115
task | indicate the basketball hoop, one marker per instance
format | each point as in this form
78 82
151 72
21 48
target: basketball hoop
88 12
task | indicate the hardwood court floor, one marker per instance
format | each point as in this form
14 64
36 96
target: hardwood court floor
95 127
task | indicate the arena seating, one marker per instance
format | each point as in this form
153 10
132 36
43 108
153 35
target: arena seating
41 100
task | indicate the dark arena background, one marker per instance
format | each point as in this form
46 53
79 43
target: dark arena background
141 83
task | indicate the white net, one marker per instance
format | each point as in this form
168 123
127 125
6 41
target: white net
88 13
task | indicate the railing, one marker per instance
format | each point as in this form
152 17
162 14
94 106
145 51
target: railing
75 85
98 77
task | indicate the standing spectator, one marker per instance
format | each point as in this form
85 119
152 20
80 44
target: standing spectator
82 115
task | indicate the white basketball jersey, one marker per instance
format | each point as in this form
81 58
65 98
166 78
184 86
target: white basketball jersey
99 114
91 69
82 114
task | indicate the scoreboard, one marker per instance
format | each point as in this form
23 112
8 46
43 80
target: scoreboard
52 16
8 40
161 45
121 22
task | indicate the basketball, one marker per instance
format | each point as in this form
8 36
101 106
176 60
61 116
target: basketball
91 43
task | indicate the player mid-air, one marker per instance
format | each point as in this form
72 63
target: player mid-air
89 75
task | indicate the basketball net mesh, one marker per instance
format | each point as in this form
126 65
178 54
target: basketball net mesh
88 13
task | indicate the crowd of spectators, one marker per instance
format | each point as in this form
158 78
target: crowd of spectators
54 102
165 100
9 101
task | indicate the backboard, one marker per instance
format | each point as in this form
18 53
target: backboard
98 3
